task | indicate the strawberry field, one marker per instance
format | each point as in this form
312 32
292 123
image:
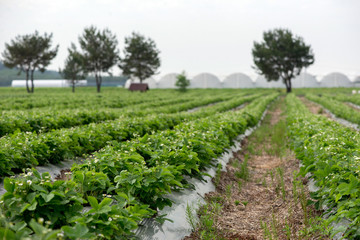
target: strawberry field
133 149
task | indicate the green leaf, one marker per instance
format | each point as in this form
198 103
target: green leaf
36 173
19 226
78 231
93 202
36 227
33 206
9 185
47 197
7 234
105 202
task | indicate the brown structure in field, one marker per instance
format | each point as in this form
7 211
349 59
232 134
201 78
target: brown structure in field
142 87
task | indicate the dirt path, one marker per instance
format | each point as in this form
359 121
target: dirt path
261 202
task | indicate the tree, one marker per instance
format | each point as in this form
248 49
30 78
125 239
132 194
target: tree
99 52
74 67
182 82
281 55
28 53
141 58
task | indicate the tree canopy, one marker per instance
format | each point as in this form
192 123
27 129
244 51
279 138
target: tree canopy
74 67
182 82
28 53
99 50
281 56
141 57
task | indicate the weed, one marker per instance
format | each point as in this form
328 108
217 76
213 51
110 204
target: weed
243 172
287 230
240 183
217 199
237 202
280 172
274 226
228 191
264 184
190 217
267 232
245 203
217 175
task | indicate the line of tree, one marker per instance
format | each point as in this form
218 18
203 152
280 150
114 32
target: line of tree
97 55
280 56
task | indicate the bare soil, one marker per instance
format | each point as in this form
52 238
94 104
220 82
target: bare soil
315 108
64 175
259 200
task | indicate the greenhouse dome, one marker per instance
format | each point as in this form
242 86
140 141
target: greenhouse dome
205 80
261 82
336 80
305 80
238 80
168 81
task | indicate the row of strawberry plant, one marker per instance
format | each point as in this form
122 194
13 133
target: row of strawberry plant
109 98
27 149
340 109
44 120
329 152
121 181
48 119
355 99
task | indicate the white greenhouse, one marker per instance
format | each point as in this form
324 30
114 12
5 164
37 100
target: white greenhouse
336 80
205 80
238 80
47 83
305 80
167 81
261 82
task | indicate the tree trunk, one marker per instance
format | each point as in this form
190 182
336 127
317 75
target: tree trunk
288 85
27 81
32 80
73 86
98 82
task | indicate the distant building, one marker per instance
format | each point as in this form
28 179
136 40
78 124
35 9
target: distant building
238 80
336 80
205 80
150 82
47 83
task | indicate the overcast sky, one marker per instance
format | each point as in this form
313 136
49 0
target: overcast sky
197 36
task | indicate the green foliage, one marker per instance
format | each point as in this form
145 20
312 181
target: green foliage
330 155
182 82
124 182
74 67
34 196
99 52
28 53
281 55
141 57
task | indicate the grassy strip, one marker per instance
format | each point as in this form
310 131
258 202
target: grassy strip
270 142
